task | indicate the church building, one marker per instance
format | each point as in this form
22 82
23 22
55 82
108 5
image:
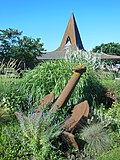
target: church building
71 39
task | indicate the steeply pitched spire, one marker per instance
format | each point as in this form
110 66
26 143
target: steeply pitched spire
72 35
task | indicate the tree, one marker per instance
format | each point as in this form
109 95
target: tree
109 48
23 48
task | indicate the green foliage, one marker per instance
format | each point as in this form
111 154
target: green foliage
87 58
10 141
114 111
109 118
9 39
96 138
114 139
52 76
111 155
45 78
31 139
109 48
113 85
25 49
5 115
37 135
102 75
12 95
10 69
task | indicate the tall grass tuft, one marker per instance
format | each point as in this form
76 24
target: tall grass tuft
10 69
97 139
39 130
34 137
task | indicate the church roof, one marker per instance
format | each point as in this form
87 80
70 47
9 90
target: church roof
71 36
110 57
58 54
71 39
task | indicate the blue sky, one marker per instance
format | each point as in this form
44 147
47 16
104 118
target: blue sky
98 20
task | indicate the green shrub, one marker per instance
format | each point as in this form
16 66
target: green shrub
113 85
33 138
86 58
52 76
10 141
114 112
102 75
108 118
12 95
5 115
97 139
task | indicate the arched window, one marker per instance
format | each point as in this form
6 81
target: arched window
68 41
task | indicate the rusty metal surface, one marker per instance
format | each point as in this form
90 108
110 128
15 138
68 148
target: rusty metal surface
72 34
46 100
70 138
67 91
80 110
37 113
